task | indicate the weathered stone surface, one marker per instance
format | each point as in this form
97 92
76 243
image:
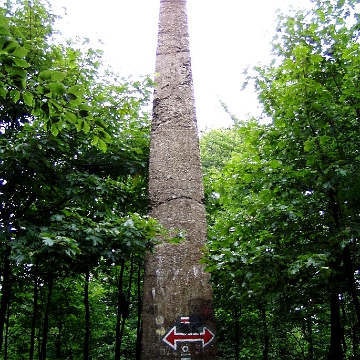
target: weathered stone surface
175 167
178 318
173 29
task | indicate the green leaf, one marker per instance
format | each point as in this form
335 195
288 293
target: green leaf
45 75
56 106
21 62
321 15
42 89
15 94
57 88
104 135
95 139
95 239
316 58
3 40
76 90
19 73
86 127
4 31
71 117
80 125
28 98
102 145
20 83
20 52
10 46
68 97
3 92
57 76
54 129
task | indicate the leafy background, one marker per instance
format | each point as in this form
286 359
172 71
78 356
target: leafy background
282 196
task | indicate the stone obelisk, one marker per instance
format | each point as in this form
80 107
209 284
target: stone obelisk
178 317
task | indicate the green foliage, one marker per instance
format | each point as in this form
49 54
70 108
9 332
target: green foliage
285 224
74 143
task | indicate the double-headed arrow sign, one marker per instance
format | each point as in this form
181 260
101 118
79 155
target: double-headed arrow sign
173 337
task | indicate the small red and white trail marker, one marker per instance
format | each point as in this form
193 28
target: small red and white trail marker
185 320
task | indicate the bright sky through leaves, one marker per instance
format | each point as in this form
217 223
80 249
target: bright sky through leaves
225 38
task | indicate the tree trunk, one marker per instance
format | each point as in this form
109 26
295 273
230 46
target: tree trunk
125 307
87 316
310 339
58 340
355 347
266 335
139 308
46 319
351 280
5 292
343 323
335 352
7 326
120 302
237 332
34 315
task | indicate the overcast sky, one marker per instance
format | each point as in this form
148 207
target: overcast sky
225 37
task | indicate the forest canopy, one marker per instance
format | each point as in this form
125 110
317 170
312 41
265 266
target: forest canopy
74 142
282 198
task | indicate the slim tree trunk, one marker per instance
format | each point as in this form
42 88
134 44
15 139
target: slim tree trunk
125 307
139 308
38 343
46 318
351 280
335 351
354 324
355 347
119 312
87 316
343 323
310 339
5 293
6 342
58 340
34 315
266 335
237 332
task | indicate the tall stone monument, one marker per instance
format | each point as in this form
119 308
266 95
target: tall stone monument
178 318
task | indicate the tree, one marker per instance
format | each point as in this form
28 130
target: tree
74 146
287 228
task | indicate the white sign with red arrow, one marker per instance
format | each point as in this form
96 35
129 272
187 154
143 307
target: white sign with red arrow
172 337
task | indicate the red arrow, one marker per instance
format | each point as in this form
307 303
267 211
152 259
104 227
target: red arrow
173 337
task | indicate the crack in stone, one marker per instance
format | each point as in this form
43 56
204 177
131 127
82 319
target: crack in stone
154 205
186 82
173 52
